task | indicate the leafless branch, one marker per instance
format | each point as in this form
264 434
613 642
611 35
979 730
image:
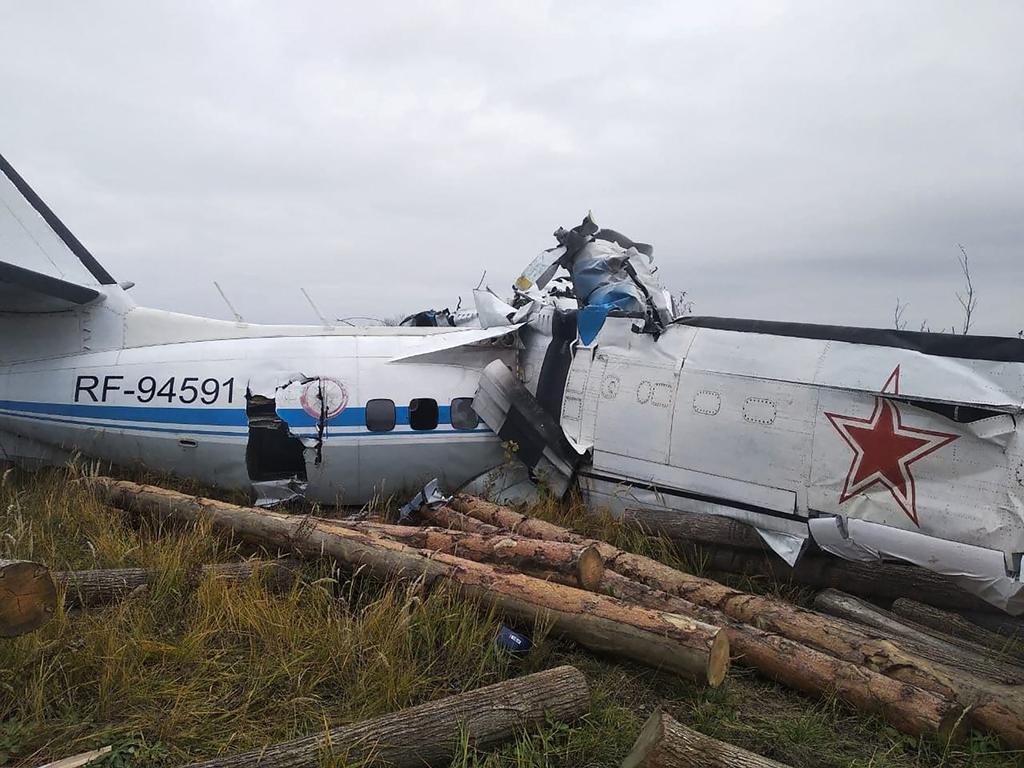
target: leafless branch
968 300
897 315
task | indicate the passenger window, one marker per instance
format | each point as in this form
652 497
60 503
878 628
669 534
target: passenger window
463 415
380 415
423 413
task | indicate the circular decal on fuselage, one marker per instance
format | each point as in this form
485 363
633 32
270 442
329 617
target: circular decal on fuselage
333 392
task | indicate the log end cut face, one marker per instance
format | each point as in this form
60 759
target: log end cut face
650 737
28 597
718 660
590 568
717 645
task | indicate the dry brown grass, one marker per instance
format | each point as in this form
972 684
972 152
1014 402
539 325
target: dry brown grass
185 671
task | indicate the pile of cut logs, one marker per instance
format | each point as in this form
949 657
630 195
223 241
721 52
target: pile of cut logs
899 665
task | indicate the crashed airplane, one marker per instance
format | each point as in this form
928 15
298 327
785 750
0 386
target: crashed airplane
868 444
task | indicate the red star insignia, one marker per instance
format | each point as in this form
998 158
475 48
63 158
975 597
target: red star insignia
884 448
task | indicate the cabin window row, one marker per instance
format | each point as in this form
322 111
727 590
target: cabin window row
424 414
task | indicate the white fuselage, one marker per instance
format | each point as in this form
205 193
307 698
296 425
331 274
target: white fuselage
180 406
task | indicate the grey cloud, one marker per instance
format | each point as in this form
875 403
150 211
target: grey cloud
807 161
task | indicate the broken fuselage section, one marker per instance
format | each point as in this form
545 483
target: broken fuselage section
868 444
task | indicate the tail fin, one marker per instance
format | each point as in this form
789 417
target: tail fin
43 267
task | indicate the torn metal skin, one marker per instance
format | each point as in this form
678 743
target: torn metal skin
275 457
287 425
428 496
868 444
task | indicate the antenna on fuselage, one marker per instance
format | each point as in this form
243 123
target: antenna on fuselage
224 296
323 320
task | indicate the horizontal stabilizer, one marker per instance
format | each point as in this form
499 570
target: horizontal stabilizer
35 240
23 290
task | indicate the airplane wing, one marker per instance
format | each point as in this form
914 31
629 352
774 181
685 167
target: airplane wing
43 266
428 347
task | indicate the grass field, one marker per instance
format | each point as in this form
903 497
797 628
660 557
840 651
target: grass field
183 672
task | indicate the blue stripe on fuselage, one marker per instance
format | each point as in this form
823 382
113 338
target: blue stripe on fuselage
184 418
213 417
180 429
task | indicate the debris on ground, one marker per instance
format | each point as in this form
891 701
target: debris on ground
896 665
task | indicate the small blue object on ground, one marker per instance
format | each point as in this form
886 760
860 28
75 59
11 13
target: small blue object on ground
514 643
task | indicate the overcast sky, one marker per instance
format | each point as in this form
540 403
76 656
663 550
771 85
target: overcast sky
804 161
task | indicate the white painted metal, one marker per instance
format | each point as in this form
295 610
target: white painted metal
750 426
857 367
208 440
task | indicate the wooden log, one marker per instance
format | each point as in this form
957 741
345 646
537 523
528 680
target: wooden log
665 640
429 734
583 562
886 581
665 743
446 517
880 581
951 651
696 528
87 589
995 708
730 546
509 520
1000 623
950 625
28 597
905 707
